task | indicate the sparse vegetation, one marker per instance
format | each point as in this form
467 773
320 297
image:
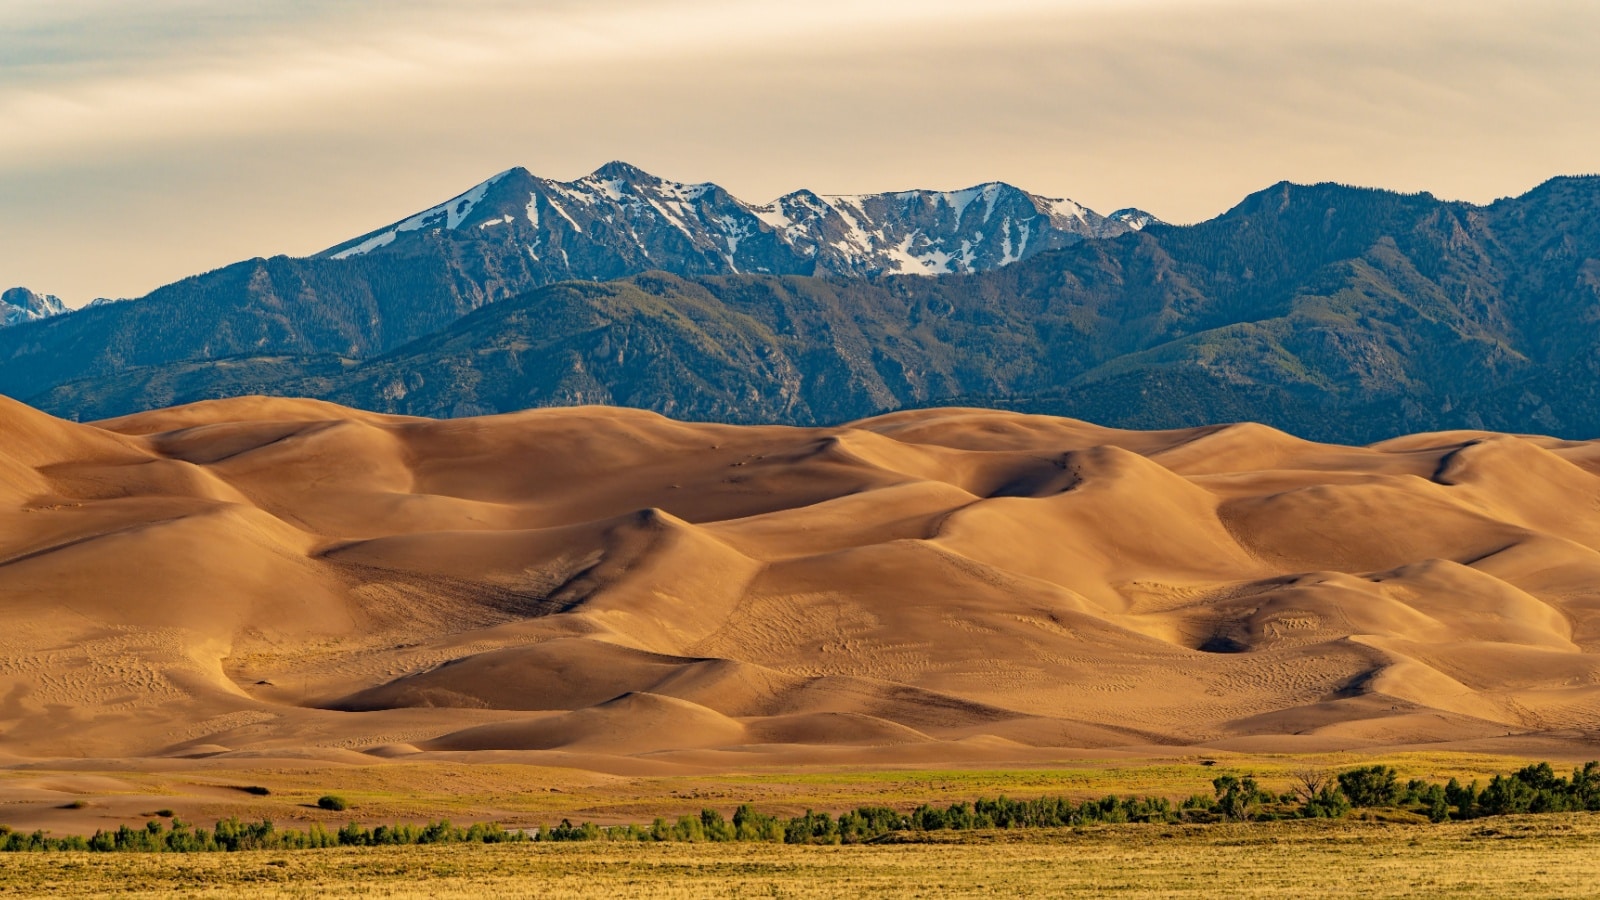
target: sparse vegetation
1534 789
1540 856
232 835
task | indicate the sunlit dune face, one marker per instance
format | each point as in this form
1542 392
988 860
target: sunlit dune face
264 575
165 138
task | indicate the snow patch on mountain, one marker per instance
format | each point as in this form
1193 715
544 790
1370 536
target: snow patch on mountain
1059 208
448 215
958 201
560 212
773 215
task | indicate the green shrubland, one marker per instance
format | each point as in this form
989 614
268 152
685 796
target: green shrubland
1533 789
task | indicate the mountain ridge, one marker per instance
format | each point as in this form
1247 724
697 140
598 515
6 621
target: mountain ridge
507 235
800 233
1334 312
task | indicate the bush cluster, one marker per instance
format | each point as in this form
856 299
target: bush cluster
869 823
231 835
1534 789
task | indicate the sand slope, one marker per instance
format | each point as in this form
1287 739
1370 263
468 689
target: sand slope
267 575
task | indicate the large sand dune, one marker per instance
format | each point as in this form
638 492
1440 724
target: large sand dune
265 576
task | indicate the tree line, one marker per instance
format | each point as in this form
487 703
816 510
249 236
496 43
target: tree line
1533 789
232 835
1314 794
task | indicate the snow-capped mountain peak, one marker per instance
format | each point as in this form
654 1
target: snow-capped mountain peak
18 305
620 220
448 215
1135 219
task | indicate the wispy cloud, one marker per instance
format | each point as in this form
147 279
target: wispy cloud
131 127
76 72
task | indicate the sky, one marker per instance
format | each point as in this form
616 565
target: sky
142 141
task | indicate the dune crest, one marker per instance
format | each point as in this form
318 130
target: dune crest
263 575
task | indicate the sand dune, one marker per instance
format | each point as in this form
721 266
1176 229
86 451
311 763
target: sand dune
263 576
631 723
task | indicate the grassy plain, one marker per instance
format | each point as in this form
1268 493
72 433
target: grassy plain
1528 857
39 796
1543 856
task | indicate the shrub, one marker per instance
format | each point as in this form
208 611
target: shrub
1327 803
1238 798
1586 786
332 802
1505 796
1438 805
1371 786
1464 799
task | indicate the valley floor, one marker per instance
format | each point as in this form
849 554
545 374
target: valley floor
63 797
1545 856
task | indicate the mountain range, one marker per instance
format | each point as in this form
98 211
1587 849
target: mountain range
514 233
621 220
1337 313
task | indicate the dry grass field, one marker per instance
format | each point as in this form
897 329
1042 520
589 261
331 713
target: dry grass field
1547 856
82 798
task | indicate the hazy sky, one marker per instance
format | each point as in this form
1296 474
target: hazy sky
145 140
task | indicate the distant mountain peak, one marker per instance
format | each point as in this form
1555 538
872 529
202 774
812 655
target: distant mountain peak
1135 219
448 215
625 171
19 305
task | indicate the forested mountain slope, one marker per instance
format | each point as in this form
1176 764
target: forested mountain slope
516 232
